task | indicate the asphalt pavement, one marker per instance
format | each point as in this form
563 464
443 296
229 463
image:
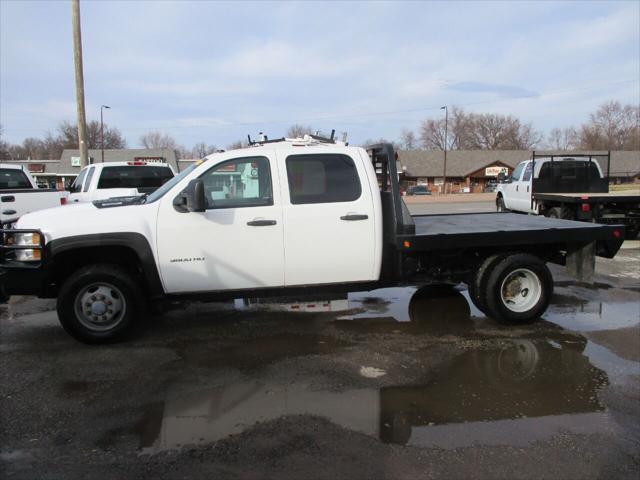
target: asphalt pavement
394 383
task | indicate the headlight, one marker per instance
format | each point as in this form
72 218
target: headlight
27 254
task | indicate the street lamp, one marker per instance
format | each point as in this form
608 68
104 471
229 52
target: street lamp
446 126
102 107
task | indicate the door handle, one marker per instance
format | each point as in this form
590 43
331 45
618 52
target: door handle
7 198
517 187
527 188
8 212
351 217
261 223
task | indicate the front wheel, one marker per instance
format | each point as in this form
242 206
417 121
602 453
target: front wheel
518 289
500 206
99 303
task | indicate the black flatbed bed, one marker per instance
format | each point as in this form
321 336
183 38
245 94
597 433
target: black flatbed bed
610 197
451 231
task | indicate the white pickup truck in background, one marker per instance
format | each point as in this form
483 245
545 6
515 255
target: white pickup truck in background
19 194
118 179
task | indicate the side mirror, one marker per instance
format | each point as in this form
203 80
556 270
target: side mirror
502 177
192 199
195 196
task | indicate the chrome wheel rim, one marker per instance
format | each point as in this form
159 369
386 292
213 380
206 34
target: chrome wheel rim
100 306
521 290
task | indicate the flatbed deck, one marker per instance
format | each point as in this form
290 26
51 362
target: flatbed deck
451 231
623 196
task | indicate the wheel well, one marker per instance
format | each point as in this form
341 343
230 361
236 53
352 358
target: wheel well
65 263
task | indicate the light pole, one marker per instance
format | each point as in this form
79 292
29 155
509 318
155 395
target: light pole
446 127
102 107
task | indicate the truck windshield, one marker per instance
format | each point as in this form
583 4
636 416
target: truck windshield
159 193
11 178
134 176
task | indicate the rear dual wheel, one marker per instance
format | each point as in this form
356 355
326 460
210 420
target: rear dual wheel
514 288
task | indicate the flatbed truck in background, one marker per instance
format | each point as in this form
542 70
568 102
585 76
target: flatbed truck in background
570 187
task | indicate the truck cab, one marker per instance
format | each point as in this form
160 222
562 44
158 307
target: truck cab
118 179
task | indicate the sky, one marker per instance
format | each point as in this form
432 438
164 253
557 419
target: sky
213 72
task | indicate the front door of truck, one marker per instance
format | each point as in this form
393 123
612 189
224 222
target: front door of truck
237 242
512 189
522 194
329 223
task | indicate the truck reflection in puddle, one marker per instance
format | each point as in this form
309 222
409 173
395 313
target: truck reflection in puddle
521 391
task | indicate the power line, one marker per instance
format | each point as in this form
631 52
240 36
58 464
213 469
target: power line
531 96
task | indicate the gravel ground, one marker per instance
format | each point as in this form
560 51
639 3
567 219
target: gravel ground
394 383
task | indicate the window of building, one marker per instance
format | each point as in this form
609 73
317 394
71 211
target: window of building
242 182
322 178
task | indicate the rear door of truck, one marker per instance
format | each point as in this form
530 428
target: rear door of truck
329 221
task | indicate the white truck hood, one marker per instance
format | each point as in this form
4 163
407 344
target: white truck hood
87 219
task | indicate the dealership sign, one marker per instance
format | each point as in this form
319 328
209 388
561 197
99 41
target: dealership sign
495 171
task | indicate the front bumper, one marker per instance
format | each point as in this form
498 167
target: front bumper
16 277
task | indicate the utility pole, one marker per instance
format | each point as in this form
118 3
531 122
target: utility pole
446 126
102 107
77 58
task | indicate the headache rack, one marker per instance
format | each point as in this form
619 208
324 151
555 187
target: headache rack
555 179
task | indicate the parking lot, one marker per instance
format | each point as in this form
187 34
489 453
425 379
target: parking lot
394 383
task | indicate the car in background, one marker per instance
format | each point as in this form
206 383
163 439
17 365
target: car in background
419 190
118 179
20 194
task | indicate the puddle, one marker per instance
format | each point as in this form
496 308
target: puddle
259 352
522 391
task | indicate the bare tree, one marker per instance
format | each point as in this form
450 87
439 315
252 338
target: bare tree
157 139
612 127
299 131
458 134
201 150
236 145
408 139
68 136
562 139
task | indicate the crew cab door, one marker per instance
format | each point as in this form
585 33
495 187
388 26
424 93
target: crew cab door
237 242
522 195
329 223
514 190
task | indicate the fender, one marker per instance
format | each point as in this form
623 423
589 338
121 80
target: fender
131 240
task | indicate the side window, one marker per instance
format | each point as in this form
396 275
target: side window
527 172
76 186
515 176
243 182
89 177
322 178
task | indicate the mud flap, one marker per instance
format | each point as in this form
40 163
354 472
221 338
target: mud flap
581 261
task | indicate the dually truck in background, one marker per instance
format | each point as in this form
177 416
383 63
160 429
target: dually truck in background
571 188
283 218
20 194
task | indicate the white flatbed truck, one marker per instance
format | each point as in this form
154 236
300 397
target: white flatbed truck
282 218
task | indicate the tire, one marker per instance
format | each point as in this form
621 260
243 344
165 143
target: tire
632 232
560 213
100 303
518 289
477 282
500 206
